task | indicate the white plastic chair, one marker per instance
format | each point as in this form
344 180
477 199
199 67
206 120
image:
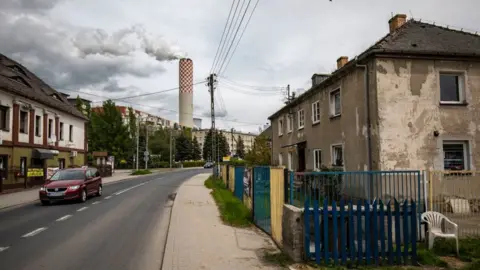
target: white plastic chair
434 221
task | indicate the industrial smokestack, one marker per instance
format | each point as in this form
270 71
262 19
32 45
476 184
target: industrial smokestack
185 104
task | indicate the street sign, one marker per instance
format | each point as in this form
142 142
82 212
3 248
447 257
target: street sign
146 158
146 153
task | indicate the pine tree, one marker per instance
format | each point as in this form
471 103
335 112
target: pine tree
196 152
207 147
240 148
223 147
260 154
183 148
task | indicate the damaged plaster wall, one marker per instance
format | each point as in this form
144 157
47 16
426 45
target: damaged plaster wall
409 111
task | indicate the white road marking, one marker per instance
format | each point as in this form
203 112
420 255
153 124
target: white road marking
3 248
64 218
35 232
81 209
127 189
106 198
97 202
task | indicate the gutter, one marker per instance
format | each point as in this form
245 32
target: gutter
367 100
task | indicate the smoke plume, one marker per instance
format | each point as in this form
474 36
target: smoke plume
125 42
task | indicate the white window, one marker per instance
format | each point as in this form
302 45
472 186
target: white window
452 88
280 127
280 159
4 118
335 103
316 112
337 155
301 119
289 123
317 159
289 161
455 155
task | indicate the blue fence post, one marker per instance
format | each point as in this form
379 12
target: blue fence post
306 215
316 215
359 231
405 231
414 232
398 241
382 230
343 232
325 230
389 233
375 231
351 231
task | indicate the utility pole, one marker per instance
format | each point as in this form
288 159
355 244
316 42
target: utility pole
231 133
170 148
211 84
138 140
146 148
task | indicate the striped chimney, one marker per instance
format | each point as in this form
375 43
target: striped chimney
185 102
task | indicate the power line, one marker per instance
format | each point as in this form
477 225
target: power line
251 87
228 33
253 93
236 32
241 35
223 34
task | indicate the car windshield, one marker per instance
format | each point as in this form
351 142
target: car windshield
68 175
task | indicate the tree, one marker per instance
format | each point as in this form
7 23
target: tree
183 147
159 143
240 148
260 154
207 147
196 152
107 132
223 147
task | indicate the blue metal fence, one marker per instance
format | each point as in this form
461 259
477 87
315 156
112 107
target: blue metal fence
239 188
365 233
261 198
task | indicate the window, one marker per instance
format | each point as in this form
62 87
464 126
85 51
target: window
289 123
50 125
23 122
301 119
452 88
61 131
315 112
335 103
4 118
280 159
23 166
337 155
455 155
317 159
280 127
61 163
38 124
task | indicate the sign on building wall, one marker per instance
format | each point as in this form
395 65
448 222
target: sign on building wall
34 172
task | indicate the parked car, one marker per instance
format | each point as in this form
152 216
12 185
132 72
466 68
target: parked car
71 184
208 165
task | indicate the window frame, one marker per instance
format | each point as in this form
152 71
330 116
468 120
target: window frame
332 103
6 121
38 125
70 133
280 159
23 171
290 161
280 126
314 112
461 86
301 117
289 123
25 124
50 128
467 164
61 131
315 151
332 154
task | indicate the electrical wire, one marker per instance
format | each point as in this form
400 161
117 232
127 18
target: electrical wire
153 93
254 88
236 32
239 90
223 34
241 35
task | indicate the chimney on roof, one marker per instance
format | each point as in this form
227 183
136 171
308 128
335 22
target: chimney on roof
341 61
397 21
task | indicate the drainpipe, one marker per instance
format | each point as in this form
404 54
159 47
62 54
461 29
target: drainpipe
369 129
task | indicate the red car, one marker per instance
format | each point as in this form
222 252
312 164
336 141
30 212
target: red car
71 184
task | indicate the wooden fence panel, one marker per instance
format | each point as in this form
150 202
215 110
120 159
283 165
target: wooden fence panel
277 197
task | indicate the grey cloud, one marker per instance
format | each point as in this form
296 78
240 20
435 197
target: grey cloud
218 113
28 5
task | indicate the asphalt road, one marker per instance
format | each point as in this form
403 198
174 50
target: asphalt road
125 228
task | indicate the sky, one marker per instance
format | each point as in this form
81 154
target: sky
113 49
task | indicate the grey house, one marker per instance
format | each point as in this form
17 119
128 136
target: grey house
410 101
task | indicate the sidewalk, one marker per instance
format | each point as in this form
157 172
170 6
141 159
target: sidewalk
197 238
30 195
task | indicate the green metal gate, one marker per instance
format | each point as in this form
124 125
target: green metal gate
261 198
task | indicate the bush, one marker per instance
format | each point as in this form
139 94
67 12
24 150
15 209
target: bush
237 162
141 172
190 164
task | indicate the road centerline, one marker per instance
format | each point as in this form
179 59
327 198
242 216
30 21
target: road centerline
34 232
83 208
130 188
3 248
64 218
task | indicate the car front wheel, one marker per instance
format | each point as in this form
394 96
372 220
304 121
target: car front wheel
100 191
83 196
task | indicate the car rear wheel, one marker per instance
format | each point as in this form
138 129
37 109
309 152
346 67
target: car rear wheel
83 196
100 191
45 202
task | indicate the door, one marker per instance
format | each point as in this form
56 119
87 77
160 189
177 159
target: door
3 170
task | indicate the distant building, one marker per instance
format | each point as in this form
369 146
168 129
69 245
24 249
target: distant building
230 135
85 103
150 119
197 123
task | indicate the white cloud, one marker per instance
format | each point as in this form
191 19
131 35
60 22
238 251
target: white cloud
285 43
